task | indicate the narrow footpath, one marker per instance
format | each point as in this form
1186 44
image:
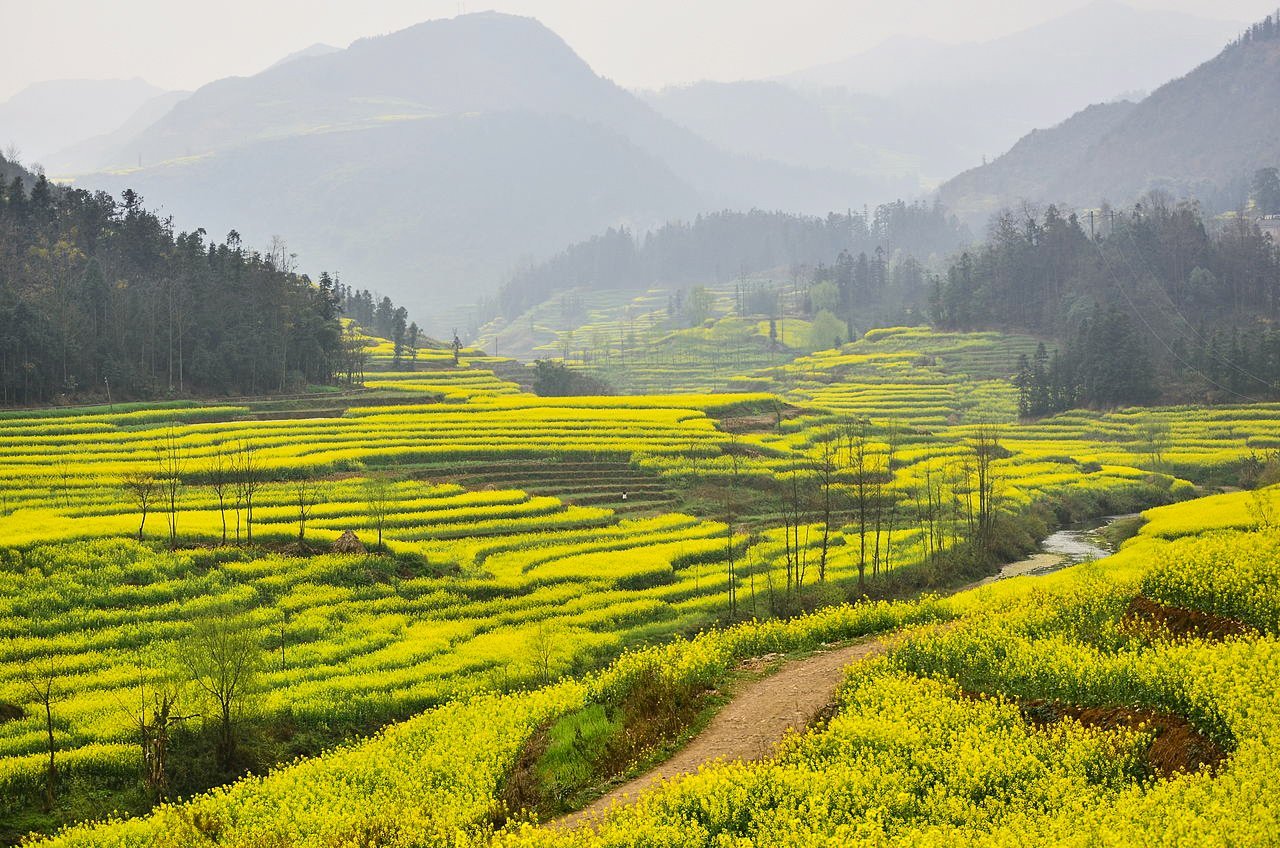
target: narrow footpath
750 726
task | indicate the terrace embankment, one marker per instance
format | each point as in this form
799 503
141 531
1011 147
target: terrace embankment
616 485
1152 616
1176 745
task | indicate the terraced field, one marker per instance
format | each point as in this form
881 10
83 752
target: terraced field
512 556
616 485
1043 710
639 345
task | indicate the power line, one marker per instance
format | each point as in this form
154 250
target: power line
1143 318
1198 337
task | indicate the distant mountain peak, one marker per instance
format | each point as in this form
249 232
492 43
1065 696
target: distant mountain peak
1094 33
49 115
43 88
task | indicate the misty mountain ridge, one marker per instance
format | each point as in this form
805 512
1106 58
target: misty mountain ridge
46 116
317 49
771 120
432 115
977 194
1202 135
479 63
1092 48
89 153
889 103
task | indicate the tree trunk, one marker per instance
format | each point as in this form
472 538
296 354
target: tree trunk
51 774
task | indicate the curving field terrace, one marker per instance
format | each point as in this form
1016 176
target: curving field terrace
512 557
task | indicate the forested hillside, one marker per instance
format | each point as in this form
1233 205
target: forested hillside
1203 135
724 245
103 297
979 193
1158 302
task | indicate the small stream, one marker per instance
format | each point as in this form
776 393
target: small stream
1063 548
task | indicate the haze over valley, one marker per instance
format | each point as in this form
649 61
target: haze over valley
473 146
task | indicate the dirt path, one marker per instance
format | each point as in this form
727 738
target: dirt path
750 726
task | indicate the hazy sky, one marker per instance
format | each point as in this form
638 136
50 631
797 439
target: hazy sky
638 43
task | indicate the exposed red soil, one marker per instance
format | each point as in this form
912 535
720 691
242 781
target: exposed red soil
1176 745
1146 615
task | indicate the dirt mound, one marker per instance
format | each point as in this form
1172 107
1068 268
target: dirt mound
348 543
1146 615
11 712
764 422
1176 745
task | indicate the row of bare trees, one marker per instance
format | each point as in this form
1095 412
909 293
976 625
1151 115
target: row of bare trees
851 483
235 475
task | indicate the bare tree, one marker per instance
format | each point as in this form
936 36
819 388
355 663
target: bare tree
733 449
544 648
860 461
929 499
986 449
957 478
219 475
306 492
1155 435
66 473
172 461
792 517
152 709
828 466
248 480
378 499
223 657
141 487
42 679
890 494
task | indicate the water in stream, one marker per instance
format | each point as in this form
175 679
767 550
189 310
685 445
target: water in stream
1063 548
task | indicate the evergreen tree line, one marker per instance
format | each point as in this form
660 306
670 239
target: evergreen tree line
380 316
1150 301
1104 365
100 297
385 320
725 245
867 289
1267 29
